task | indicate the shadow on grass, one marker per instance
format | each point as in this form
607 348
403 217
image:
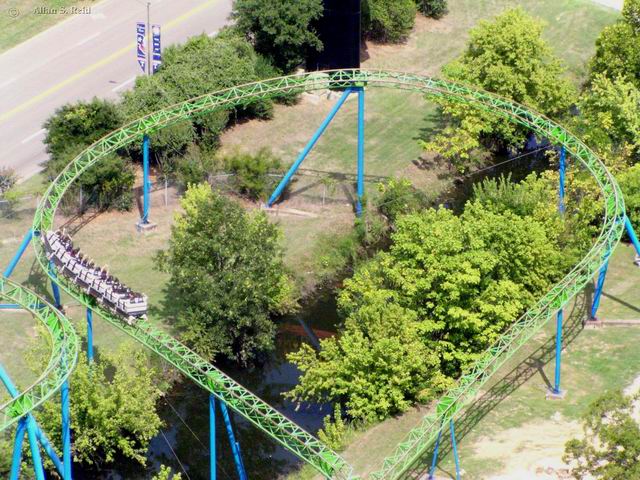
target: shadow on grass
621 302
520 374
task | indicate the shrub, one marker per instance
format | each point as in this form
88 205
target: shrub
432 8
399 197
333 433
8 179
194 167
630 184
388 20
252 172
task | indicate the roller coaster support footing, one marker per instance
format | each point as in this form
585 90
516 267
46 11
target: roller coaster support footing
307 149
235 446
212 437
562 170
454 445
89 335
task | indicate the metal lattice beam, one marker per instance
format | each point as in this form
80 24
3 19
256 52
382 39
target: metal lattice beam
278 427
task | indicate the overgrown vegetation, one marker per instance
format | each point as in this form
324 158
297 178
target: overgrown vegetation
251 172
227 276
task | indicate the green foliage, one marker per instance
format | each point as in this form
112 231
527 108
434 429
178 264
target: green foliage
506 56
630 184
611 447
8 179
113 408
610 117
618 47
166 473
71 129
388 20
227 276
432 8
334 431
282 30
377 365
399 197
251 172
194 167
447 288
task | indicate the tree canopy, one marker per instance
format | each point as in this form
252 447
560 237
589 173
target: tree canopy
610 449
282 30
506 56
451 285
388 20
227 274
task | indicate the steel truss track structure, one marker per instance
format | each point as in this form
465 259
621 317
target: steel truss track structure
62 361
278 427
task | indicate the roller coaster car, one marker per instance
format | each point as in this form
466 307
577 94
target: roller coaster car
94 280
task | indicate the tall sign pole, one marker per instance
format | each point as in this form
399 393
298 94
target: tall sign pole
148 38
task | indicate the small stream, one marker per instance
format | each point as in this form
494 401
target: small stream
184 443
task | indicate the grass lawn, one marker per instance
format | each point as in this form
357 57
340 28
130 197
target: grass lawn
19 22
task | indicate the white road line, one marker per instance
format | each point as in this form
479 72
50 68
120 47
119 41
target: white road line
124 84
88 39
8 82
34 136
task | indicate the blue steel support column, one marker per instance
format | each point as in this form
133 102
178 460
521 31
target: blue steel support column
598 292
632 235
360 150
212 437
16 258
434 460
54 287
563 157
17 449
66 431
145 180
287 178
556 385
35 448
455 449
89 335
235 446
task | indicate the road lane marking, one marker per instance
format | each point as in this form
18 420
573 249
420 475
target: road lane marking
8 82
105 61
33 137
124 84
88 39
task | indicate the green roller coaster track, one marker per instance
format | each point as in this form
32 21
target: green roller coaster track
62 361
263 416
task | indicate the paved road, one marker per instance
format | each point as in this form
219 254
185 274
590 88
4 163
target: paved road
86 55
616 4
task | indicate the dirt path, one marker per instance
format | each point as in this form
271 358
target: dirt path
617 4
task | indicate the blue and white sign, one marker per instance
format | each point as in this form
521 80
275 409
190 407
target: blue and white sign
157 47
141 31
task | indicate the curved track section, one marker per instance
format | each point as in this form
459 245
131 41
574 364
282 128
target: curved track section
64 352
284 431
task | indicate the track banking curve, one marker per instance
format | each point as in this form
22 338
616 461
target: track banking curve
62 361
284 431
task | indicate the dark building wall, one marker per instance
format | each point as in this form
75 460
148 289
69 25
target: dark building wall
340 32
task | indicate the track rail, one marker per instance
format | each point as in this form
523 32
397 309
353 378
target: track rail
278 427
62 361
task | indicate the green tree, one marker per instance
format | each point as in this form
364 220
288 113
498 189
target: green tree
227 276
448 287
388 20
399 197
378 365
618 47
113 408
8 179
432 8
74 127
630 184
506 56
611 447
610 117
252 172
282 30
